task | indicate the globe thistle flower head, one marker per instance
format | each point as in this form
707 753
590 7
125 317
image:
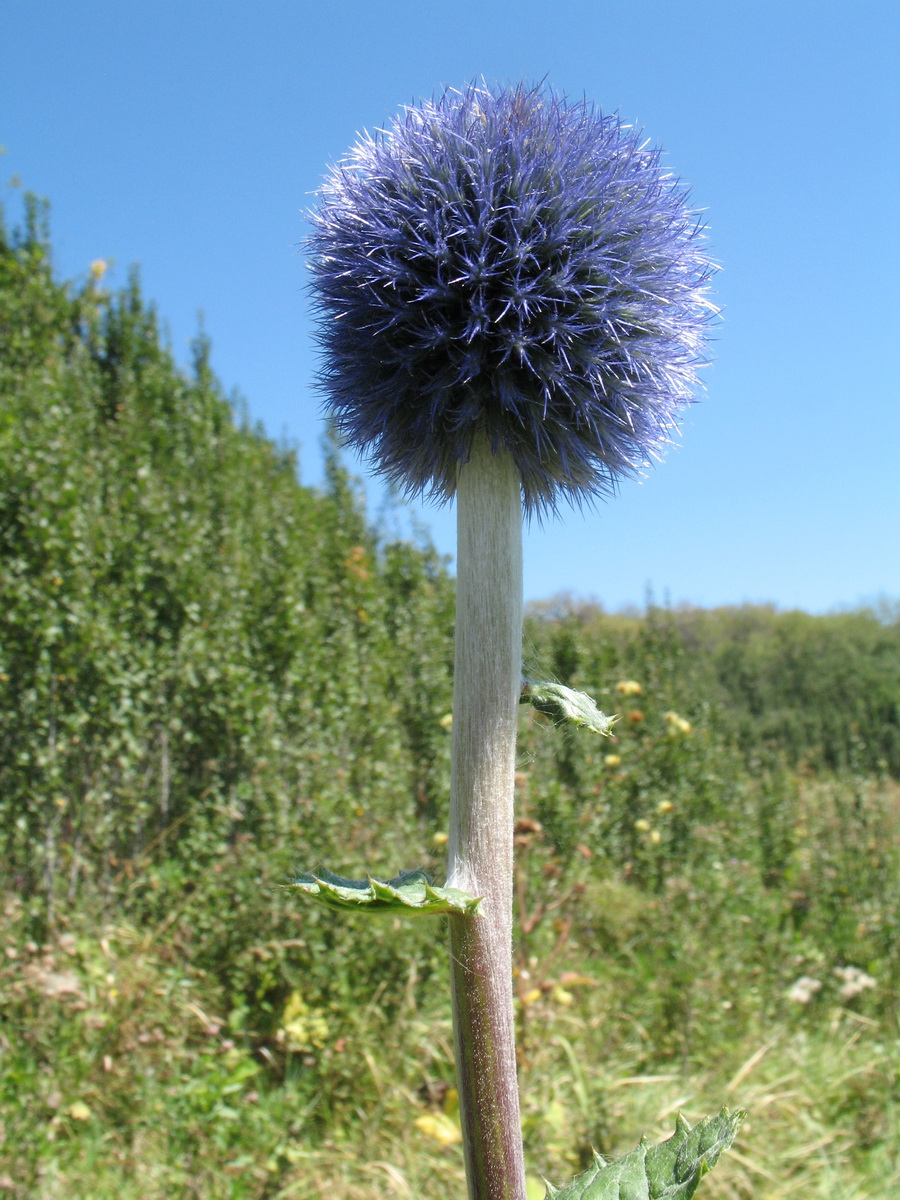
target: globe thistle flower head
508 263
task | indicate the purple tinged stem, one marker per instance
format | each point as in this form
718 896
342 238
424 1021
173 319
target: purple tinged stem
487 683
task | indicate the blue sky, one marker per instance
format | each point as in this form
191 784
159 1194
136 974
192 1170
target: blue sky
188 137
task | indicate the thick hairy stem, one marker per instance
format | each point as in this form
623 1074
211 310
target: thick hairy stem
487 684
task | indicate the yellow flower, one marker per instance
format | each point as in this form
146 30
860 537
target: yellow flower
642 826
629 687
613 760
665 806
441 1128
677 725
98 269
304 1028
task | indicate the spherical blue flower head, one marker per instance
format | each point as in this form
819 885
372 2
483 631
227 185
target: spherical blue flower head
509 263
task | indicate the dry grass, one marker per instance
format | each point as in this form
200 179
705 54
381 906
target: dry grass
822 1124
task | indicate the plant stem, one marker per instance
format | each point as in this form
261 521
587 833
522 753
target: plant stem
487 684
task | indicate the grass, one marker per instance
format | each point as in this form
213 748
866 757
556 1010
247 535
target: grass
125 1075
308 1055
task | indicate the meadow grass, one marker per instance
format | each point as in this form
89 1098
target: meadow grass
124 1075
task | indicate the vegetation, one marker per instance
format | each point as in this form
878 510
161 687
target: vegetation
210 674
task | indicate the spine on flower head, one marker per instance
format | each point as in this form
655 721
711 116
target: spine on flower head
508 263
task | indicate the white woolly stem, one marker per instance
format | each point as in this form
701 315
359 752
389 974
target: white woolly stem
487 685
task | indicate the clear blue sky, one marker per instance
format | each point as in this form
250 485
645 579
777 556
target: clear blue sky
188 135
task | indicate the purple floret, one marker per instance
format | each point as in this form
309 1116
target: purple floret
512 263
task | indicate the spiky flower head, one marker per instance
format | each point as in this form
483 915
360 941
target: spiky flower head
510 263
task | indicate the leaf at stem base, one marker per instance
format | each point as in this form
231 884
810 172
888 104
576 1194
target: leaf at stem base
670 1171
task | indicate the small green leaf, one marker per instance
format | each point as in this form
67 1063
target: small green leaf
410 892
566 706
670 1171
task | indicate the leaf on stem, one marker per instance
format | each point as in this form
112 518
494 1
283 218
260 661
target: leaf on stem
670 1171
409 893
565 706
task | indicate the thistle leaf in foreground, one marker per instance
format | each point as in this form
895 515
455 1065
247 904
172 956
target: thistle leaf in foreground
565 706
670 1171
409 893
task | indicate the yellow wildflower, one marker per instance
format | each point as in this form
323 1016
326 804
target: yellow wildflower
677 725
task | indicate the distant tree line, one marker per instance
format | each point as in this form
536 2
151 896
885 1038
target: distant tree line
198 653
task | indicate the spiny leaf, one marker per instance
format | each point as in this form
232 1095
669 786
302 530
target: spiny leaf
566 706
409 893
670 1171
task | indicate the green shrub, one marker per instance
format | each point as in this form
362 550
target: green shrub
211 675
